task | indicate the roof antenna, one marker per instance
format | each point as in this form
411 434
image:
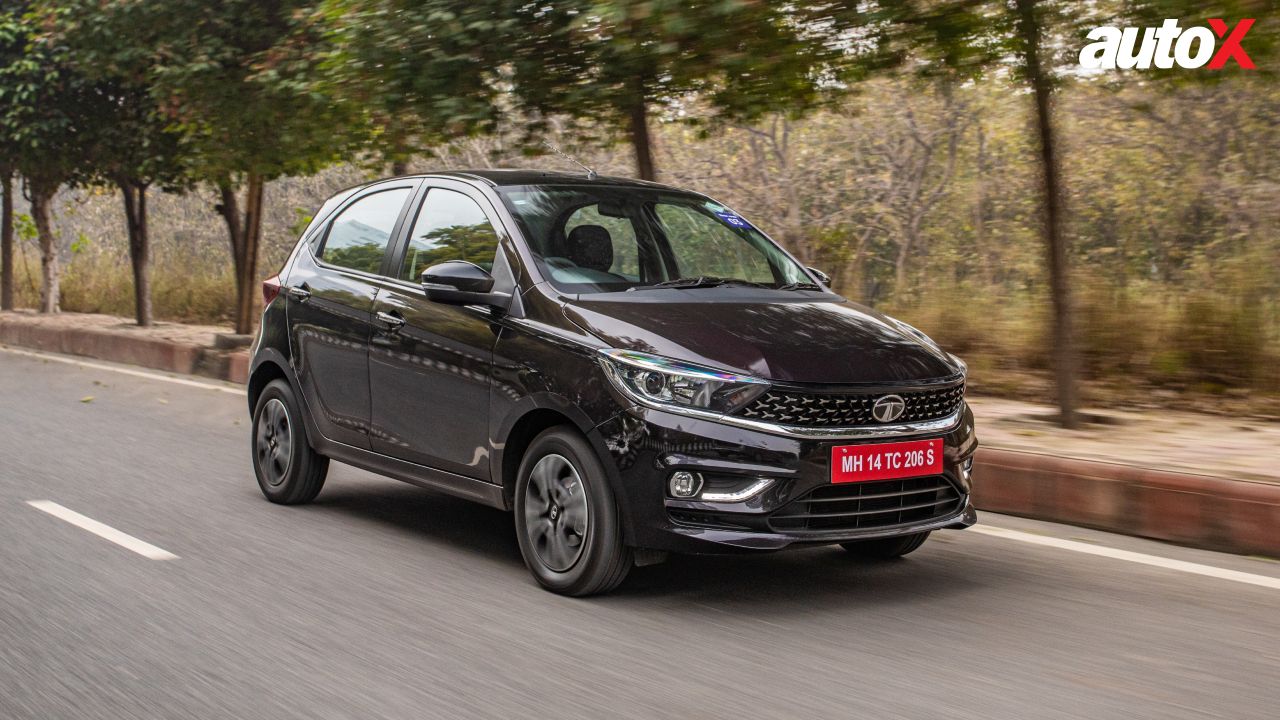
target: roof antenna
591 174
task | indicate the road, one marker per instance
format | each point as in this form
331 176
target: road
382 600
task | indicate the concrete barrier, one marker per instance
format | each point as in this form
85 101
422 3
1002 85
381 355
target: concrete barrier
128 347
1199 510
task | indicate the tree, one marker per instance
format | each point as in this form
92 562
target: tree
233 80
51 118
970 37
616 62
134 149
965 38
11 38
429 72
421 72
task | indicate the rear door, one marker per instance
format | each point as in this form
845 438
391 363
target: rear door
330 304
430 364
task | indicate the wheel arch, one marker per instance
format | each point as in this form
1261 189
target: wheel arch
268 365
537 415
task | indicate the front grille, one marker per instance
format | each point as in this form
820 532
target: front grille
856 506
850 409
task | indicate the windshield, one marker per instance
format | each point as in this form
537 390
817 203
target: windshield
597 239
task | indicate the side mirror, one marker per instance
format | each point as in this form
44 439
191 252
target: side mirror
825 278
457 282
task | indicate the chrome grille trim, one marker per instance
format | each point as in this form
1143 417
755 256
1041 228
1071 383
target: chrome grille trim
792 408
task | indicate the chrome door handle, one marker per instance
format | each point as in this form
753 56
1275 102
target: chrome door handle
391 321
299 292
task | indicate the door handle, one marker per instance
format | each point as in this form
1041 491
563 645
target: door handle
392 321
299 292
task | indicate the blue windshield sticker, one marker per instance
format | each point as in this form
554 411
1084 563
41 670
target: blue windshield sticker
732 219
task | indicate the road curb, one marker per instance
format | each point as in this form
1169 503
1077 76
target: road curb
125 346
1198 510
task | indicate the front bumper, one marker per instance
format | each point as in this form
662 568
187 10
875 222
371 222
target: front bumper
647 445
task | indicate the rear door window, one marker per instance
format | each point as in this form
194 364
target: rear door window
359 235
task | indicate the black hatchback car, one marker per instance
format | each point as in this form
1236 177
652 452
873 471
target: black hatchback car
633 369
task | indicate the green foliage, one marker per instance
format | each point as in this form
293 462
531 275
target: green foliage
301 219
365 257
51 117
417 73
476 244
229 78
24 227
743 59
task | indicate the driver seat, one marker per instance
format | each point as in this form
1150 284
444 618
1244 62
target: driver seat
591 247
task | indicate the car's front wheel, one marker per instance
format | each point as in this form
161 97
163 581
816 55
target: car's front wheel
567 521
289 471
885 548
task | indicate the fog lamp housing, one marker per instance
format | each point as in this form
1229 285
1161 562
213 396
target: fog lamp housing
684 484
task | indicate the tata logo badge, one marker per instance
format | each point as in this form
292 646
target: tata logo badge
888 408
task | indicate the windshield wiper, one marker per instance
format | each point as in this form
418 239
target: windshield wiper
699 281
800 286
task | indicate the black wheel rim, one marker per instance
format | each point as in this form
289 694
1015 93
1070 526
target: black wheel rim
274 442
556 514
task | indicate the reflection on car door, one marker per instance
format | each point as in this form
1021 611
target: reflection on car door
430 363
331 290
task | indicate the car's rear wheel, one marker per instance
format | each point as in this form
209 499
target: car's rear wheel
289 471
885 548
567 521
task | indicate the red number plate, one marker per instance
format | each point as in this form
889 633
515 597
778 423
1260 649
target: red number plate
886 461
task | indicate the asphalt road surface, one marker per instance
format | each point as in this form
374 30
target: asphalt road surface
382 600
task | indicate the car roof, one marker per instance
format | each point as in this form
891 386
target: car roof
504 176
512 176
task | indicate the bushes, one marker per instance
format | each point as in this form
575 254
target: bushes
95 283
1139 336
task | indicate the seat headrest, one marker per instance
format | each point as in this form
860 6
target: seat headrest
591 246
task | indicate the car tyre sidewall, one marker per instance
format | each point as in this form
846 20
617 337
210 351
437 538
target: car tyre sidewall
605 560
307 469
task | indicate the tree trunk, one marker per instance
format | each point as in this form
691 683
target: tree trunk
135 212
909 240
640 140
400 167
244 231
1065 361
6 239
42 214
980 210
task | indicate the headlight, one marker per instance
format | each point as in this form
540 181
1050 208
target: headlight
657 381
964 366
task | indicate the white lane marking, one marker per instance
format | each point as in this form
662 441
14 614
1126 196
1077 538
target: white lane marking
125 371
1130 556
106 532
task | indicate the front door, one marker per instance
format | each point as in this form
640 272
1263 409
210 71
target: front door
430 363
331 288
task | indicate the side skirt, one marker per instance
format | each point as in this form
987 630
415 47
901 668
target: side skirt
458 485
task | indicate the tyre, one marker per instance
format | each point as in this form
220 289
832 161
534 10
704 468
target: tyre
885 548
567 520
289 471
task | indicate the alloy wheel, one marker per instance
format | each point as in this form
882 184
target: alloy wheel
556 512
274 442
